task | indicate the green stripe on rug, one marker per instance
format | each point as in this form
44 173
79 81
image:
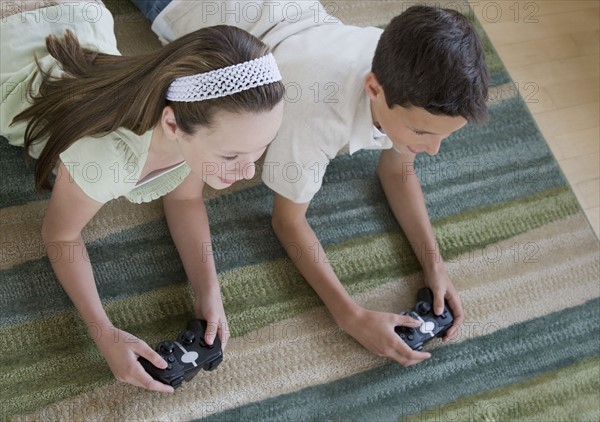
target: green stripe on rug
62 362
151 313
161 314
277 290
158 264
571 393
391 392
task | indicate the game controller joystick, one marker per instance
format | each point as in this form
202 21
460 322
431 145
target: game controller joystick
185 356
432 325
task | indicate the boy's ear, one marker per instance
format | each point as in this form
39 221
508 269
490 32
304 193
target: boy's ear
168 123
372 86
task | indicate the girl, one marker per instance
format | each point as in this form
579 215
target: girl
200 110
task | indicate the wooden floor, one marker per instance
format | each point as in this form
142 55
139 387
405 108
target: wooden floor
552 51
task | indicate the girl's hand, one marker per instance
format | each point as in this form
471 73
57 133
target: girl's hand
121 351
375 331
209 306
440 284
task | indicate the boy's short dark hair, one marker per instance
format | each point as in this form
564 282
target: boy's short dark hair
432 58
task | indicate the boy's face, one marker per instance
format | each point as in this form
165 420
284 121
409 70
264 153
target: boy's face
411 129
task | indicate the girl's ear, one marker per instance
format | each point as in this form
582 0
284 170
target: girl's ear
168 123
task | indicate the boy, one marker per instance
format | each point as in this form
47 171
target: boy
402 90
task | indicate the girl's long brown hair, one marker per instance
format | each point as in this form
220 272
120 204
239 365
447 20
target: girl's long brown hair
98 93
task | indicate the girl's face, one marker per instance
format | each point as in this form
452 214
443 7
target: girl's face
226 152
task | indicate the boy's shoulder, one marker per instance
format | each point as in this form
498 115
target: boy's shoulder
323 70
328 46
327 111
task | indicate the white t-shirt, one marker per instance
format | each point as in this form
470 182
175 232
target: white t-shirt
327 111
323 63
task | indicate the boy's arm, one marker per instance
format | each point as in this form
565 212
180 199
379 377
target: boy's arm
405 197
374 330
188 224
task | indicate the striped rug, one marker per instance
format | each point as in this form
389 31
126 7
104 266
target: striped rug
518 248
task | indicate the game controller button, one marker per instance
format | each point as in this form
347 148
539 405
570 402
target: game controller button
427 327
171 359
169 367
166 347
189 357
188 337
423 308
402 335
418 349
411 337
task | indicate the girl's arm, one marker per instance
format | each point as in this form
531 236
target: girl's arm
69 210
188 223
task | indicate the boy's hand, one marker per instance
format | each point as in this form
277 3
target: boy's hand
121 351
209 306
375 331
443 289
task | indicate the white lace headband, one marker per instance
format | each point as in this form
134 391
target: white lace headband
225 81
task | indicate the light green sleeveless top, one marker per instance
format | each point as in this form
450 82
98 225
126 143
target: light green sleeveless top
104 167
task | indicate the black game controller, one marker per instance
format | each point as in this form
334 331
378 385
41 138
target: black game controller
185 356
432 325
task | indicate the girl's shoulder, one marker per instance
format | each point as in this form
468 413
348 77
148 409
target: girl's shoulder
107 167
